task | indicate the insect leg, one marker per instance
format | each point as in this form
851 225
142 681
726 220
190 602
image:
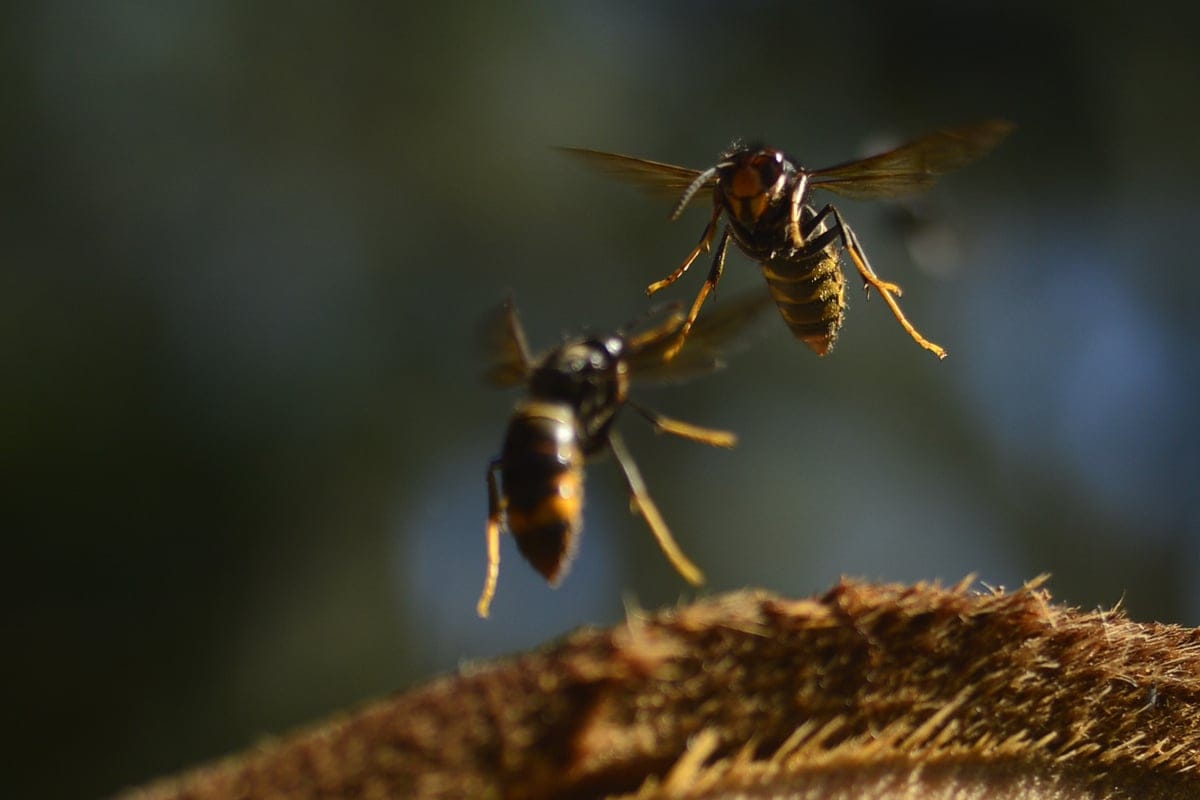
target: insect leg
835 233
889 291
706 238
710 283
686 430
492 537
639 500
660 332
796 203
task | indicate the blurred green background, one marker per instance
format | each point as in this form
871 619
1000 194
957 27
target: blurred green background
245 248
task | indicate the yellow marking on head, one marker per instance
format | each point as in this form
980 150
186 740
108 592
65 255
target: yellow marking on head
746 183
756 206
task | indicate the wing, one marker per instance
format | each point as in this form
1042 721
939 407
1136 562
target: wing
721 331
912 167
503 340
662 179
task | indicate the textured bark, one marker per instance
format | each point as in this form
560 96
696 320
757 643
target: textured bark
869 691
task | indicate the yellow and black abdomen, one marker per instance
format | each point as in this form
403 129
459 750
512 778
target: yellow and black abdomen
810 291
541 474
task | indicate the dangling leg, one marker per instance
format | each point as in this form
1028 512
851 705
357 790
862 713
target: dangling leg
887 290
830 234
706 238
710 283
639 500
686 430
492 536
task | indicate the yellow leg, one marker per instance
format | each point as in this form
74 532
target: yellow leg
796 202
659 333
685 430
640 501
710 283
492 537
889 291
705 240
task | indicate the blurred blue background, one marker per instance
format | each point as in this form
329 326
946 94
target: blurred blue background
245 248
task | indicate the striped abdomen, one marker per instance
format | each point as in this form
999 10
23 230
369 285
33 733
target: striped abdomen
810 290
541 474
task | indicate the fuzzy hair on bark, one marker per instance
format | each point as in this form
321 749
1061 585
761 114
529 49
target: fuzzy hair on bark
869 691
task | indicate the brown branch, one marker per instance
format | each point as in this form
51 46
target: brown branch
870 691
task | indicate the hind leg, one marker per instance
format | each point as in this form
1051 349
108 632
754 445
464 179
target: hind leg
639 500
839 230
492 537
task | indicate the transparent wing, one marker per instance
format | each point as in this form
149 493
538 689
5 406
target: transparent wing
912 167
663 179
503 343
722 330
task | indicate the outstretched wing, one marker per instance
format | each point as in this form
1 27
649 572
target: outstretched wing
503 341
718 332
911 167
662 179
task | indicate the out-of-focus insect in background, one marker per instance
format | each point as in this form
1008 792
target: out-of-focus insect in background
245 249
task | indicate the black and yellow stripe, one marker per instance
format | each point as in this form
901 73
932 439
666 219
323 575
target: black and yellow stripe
541 470
810 291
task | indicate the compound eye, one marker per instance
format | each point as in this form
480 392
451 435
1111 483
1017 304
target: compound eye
769 167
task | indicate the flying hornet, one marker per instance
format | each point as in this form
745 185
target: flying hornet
573 396
763 194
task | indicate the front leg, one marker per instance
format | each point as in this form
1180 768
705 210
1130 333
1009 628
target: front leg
795 206
706 238
710 283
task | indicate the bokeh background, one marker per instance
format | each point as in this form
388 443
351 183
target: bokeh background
245 248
